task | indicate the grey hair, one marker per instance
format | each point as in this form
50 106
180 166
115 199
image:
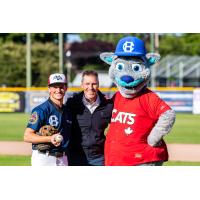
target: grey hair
89 73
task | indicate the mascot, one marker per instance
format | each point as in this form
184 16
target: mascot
140 119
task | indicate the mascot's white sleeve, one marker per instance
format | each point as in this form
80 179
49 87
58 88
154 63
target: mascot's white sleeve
162 127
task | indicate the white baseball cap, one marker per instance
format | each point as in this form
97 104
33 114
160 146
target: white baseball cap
57 78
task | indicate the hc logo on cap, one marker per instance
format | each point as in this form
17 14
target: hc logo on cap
130 46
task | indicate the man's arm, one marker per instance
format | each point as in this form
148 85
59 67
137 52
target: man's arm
31 137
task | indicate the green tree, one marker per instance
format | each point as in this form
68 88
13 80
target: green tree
181 44
13 63
36 37
44 62
191 43
170 44
109 37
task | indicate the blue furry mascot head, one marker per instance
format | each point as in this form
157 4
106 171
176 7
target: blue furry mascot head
129 65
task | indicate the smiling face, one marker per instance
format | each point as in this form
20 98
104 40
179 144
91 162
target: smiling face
90 86
130 74
57 92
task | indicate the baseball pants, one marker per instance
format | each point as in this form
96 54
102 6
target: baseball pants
39 159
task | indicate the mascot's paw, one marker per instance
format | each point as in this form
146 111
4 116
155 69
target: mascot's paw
153 142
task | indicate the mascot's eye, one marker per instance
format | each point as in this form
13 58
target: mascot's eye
136 67
120 66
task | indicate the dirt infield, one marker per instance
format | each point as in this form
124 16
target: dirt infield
15 148
177 152
184 152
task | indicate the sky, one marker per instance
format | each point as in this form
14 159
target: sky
73 38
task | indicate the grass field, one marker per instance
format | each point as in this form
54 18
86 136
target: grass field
181 163
26 161
13 126
185 130
15 160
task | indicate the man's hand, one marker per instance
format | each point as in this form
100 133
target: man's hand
54 141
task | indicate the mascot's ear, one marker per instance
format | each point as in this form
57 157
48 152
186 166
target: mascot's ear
107 57
152 58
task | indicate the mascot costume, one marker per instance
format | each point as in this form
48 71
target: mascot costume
140 119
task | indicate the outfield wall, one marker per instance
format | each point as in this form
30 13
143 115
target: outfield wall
25 99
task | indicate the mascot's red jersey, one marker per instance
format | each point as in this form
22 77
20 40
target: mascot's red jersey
132 121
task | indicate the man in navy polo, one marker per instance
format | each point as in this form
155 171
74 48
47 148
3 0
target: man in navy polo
51 112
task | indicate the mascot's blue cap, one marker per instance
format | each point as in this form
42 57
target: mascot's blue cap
130 46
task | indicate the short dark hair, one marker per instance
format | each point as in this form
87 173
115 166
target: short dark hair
89 73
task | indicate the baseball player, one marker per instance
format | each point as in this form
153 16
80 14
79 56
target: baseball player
53 113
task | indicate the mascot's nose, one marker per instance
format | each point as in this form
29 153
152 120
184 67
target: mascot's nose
127 79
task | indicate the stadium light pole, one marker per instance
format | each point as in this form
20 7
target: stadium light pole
60 39
152 46
152 42
156 42
28 60
69 66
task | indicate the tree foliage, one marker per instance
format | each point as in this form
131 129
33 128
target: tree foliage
109 37
45 58
171 43
36 37
183 44
45 61
13 63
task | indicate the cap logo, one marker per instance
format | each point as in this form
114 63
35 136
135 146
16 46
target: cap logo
128 46
57 78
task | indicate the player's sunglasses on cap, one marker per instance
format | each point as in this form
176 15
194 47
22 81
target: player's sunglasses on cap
57 78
